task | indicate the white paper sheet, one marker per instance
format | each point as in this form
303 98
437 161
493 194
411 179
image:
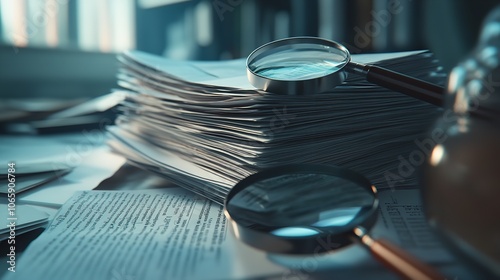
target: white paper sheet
140 235
23 219
174 234
96 165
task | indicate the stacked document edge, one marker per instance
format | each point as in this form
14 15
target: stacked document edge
189 122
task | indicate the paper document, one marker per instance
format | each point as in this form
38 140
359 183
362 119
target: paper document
140 235
402 221
195 122
18 219
96 165
174 234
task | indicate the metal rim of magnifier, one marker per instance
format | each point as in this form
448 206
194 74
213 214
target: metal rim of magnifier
299 87
313 244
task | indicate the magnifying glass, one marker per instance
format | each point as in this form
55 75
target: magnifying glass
296 209
309 65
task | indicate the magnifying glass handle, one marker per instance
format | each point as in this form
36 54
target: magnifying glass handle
399 261
401 83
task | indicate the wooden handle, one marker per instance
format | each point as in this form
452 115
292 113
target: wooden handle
401 262
410 86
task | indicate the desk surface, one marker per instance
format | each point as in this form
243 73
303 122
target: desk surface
130 178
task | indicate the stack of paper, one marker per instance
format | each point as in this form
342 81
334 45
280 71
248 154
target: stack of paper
19 219
34 174
202 125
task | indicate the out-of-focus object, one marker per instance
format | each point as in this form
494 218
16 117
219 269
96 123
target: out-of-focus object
55 73
451 27
461 177
89 25
94 113
15 110
62 49
34 174
157 3
26 217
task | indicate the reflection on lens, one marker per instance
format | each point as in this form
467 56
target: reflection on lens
301 204
300 61
294 232
337 217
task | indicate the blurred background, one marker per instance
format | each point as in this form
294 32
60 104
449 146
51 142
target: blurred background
66 48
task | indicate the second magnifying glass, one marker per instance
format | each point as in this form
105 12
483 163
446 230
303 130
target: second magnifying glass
310 65
294 209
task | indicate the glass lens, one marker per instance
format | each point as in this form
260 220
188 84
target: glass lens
299 61
302 204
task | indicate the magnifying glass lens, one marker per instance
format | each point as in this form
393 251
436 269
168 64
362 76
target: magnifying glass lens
298 61
310 209
302 204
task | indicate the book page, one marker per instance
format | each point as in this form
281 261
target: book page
174 234
171 234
